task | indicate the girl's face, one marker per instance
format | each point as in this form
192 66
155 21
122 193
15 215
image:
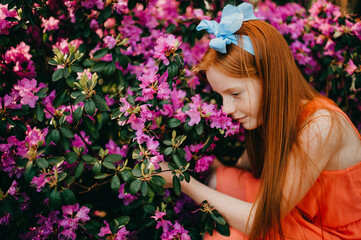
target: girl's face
241 97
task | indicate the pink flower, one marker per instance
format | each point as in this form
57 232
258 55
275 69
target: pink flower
91 3
35 135
155 160
158 215
109 23
204 163
356 28
4 24
72 217
127 197
351 67
78 141
25 90
40 181
109 42
14 190
165 47
105 230
50 24
19 54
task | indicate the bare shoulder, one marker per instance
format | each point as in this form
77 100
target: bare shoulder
336 136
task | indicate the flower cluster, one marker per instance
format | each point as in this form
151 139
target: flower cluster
95 94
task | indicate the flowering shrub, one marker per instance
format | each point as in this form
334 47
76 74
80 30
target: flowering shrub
95 94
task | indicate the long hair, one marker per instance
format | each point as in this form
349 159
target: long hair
284 91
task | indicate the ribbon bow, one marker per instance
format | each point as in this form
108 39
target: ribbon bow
231 20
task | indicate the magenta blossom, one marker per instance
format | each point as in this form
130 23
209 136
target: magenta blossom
165 47
25 91
50 24
109 42
73 216
351 67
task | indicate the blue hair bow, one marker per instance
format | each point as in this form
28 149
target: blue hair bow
231 21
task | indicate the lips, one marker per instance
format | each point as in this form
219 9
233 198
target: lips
240 119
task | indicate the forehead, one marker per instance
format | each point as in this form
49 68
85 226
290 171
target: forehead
221 82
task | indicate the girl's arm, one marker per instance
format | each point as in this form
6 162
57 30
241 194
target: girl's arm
319 141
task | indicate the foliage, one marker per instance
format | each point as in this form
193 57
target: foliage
95 94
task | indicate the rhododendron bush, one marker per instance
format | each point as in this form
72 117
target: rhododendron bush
95 94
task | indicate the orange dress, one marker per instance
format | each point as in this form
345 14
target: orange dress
337 195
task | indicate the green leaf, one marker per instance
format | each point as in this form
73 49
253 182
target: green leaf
223 229
71 157
218 218
96 167
159 180
42 163
52 62
123 60
64 141
55 136
179 162
29 171
76 68
113 158
55 199
58 74
176 185
59 98
100 103
123 220
109 68
168 142
89 107
91 128
100 53
172 69
199 128
108 165
168 151
66 132
66 72
79 99
115 183
144 189
105 14
77 114
170 28
68 196
173 123
126 174
135 186
98 67
40 112
79 169
150 209
100 176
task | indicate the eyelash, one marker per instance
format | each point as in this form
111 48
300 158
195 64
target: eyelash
235 94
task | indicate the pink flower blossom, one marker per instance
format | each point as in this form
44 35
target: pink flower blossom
158 215
91 3
50 24
73 216
35 135
105 230
19 54
203 163
127 197
109 42
5 25
351 67
165 47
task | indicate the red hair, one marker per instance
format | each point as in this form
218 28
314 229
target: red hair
284 91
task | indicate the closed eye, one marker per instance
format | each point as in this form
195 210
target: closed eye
235 94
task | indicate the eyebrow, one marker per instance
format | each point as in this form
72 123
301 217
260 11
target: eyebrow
231 89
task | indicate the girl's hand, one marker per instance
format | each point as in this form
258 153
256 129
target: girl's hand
166 174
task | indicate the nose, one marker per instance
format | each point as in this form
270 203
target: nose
228 106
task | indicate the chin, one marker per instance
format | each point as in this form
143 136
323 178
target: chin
250 126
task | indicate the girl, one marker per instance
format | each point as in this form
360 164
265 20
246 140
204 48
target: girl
302 151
